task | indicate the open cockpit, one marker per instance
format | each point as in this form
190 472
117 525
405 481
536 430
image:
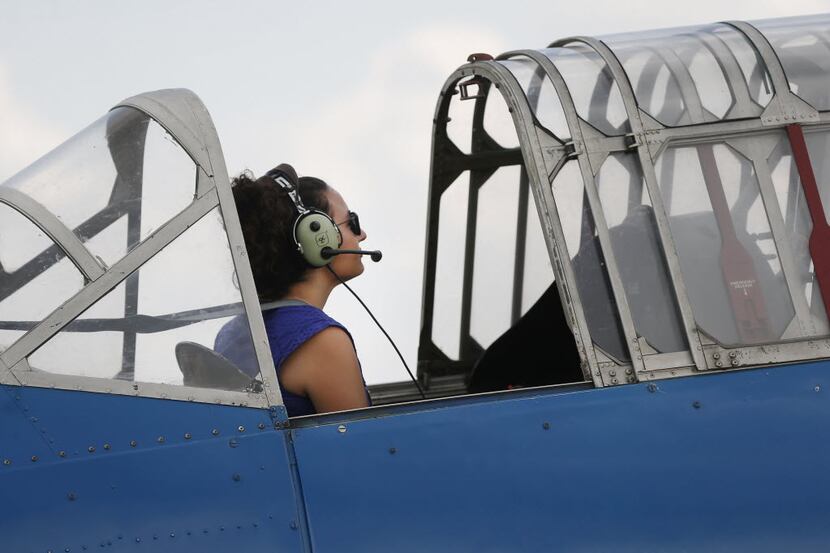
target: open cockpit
609 210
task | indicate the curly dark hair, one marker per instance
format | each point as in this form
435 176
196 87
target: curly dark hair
267 216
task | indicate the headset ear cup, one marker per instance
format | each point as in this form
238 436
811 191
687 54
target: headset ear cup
314 231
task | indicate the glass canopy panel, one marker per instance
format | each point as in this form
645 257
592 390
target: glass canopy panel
497 120
35 276
730 265
496 231
595 94
749 61
803 46
541 95
588 264
636 244
449 267
123 165
797 220
688 75
188 326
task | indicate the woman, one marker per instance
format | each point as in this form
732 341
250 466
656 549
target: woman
314 355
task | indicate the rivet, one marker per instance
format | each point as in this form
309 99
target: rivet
187 435
735 363
221 528
133 443
172 534
160 439
215 432
612 372
240 428
7 462
817 388
138 540
652 388
716 355
34 458
627 371
236 478
546 425
732 355
71 496
107 446
341 429
719 364
233 442
392 451
91 449
696 404
261 426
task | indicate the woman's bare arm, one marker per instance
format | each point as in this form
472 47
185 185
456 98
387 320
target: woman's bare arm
325 368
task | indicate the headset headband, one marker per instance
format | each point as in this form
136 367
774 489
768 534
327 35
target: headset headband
285 176
314 230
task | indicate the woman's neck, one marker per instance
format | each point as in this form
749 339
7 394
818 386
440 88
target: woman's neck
315 290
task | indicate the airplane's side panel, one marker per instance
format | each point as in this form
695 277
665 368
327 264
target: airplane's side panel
733 462
84 472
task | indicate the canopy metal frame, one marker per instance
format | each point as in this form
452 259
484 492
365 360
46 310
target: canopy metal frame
183 116
742 128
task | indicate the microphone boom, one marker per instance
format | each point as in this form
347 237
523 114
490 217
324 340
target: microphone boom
376 255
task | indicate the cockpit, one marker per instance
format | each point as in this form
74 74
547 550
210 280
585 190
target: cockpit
680 181
610 210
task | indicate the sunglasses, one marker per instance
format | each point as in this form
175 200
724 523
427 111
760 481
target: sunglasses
353 222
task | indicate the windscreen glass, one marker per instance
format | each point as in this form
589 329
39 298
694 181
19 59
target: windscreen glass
177 320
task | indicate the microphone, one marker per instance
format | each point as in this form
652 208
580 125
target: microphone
327 252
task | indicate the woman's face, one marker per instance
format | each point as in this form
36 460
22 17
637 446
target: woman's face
345 265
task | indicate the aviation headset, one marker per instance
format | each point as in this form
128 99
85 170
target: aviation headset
314 230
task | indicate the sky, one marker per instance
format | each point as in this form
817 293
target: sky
342 90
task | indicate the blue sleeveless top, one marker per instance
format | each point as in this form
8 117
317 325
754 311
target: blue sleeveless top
288 327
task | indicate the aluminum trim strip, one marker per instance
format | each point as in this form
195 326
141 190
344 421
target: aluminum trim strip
247 288
42 379
90 267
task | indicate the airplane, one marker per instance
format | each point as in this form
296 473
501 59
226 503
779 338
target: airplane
637 364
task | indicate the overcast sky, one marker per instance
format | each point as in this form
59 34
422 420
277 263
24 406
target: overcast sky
342 90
